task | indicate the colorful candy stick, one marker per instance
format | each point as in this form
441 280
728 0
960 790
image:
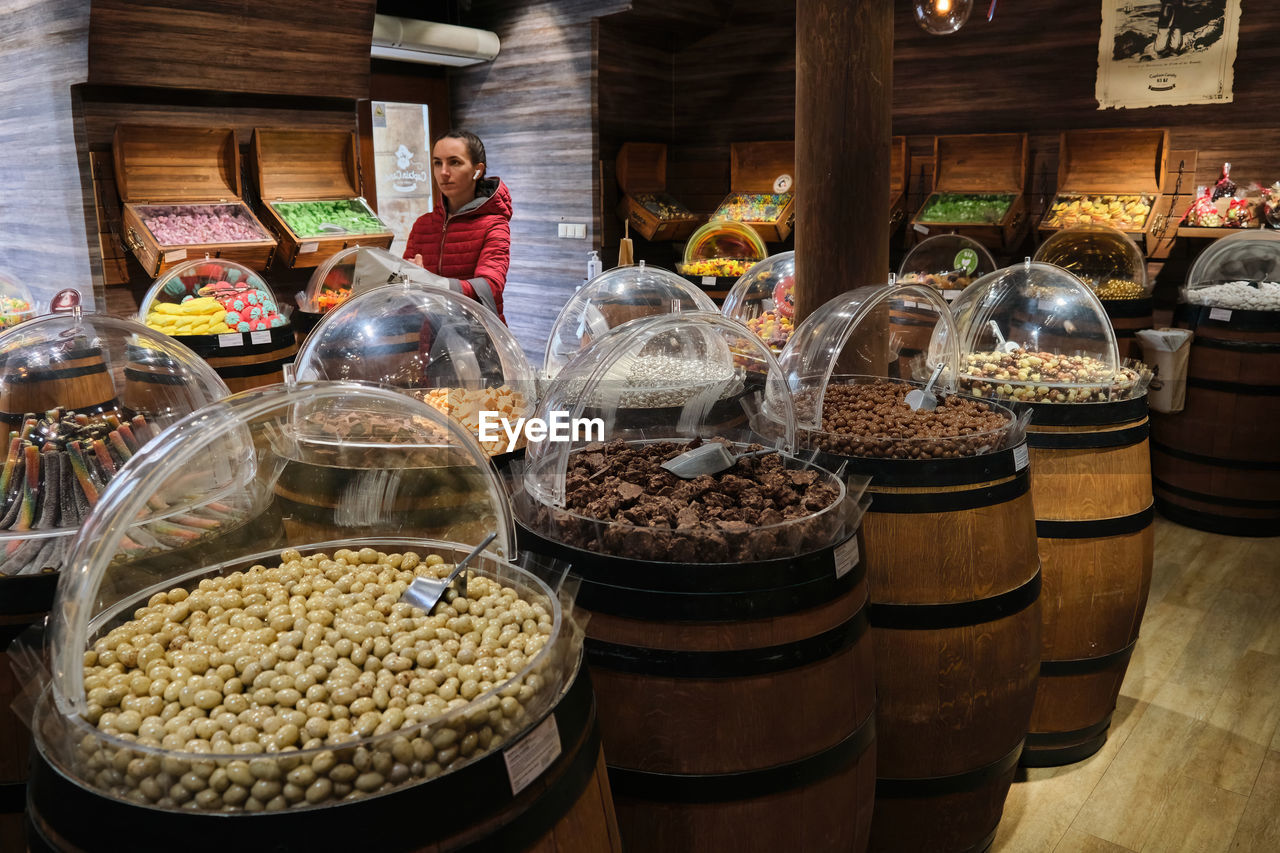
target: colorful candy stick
31 491
68 508
103 453
143 430
15 502
84 474
10 462
51 485
126 433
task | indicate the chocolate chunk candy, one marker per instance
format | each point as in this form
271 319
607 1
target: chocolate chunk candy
687 517
629 491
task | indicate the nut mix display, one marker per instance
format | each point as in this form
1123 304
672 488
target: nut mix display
1125 212
873 420
663 206
184 225
308 682
977 208
761 508
1045 377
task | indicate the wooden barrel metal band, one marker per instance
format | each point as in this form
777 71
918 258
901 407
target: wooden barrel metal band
940 786
1247 503
1096 528
1219 461
1266 347
737 663
1089 414
1245 388
960 471
1197 316
159 377
1128 309
702 592
1085 666
747 784
257 368
1227 525
1125 333
898 320
962 501
1052 739
1054 749
1089 440
930 617
13 797
53 374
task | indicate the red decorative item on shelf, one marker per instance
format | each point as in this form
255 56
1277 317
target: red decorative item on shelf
1225 187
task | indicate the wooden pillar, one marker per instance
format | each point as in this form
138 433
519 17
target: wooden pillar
844 84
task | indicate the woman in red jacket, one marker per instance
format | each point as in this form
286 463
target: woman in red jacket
466 238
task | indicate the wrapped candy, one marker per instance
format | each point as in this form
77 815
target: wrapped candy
1225 187
1203 212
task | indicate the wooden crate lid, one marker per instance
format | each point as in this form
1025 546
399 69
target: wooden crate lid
899 166
980 162
305 164
754 167
642 167
1112 160
175 164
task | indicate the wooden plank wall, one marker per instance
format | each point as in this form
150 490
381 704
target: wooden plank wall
272 47
43 240
534 107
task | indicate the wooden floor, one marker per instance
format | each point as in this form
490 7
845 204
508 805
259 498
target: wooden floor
1193 758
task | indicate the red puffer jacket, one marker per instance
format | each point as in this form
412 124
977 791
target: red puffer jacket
471 247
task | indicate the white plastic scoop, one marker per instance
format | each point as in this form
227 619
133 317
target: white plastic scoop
710 458
1001 344
426 592
925 400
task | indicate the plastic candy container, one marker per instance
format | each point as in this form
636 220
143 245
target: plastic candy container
764 299
611 299
16 302
1240 272
722 248
210 297
1103 258
946 262
436 345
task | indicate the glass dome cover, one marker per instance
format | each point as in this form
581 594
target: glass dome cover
256 597
946 262
722 247
211 296
764 301
1239 272
81 395
1102 257
356 270
16 302
611 299
656 388
436 345
1035 333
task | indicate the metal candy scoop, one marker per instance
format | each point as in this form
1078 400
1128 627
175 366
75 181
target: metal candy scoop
710 458
925 400
1001 344
426 592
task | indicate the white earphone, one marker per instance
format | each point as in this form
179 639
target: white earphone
476 176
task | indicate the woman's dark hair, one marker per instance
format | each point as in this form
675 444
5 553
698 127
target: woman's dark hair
475 148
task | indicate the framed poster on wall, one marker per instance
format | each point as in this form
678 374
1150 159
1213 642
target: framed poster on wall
402 165
1167 52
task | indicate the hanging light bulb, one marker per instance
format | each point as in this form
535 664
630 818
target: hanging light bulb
941 17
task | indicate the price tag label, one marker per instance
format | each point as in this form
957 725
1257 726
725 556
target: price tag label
262 337
533 754
308 248
708 281
1223 314
921 228
231 339
846 556
175 255
951 294
1021 458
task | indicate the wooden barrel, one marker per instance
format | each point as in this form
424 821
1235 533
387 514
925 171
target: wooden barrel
1091 482
1127 317
1216 464
24 601
246 360
566 809
736 700
79 380
955 618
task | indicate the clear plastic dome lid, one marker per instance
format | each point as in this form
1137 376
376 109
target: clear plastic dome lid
764 299
436 345
1240 272
81 396
16 302
946 262
1103 258
1035 333
356 270
211 296
652 390
722 247
611 299
353 492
